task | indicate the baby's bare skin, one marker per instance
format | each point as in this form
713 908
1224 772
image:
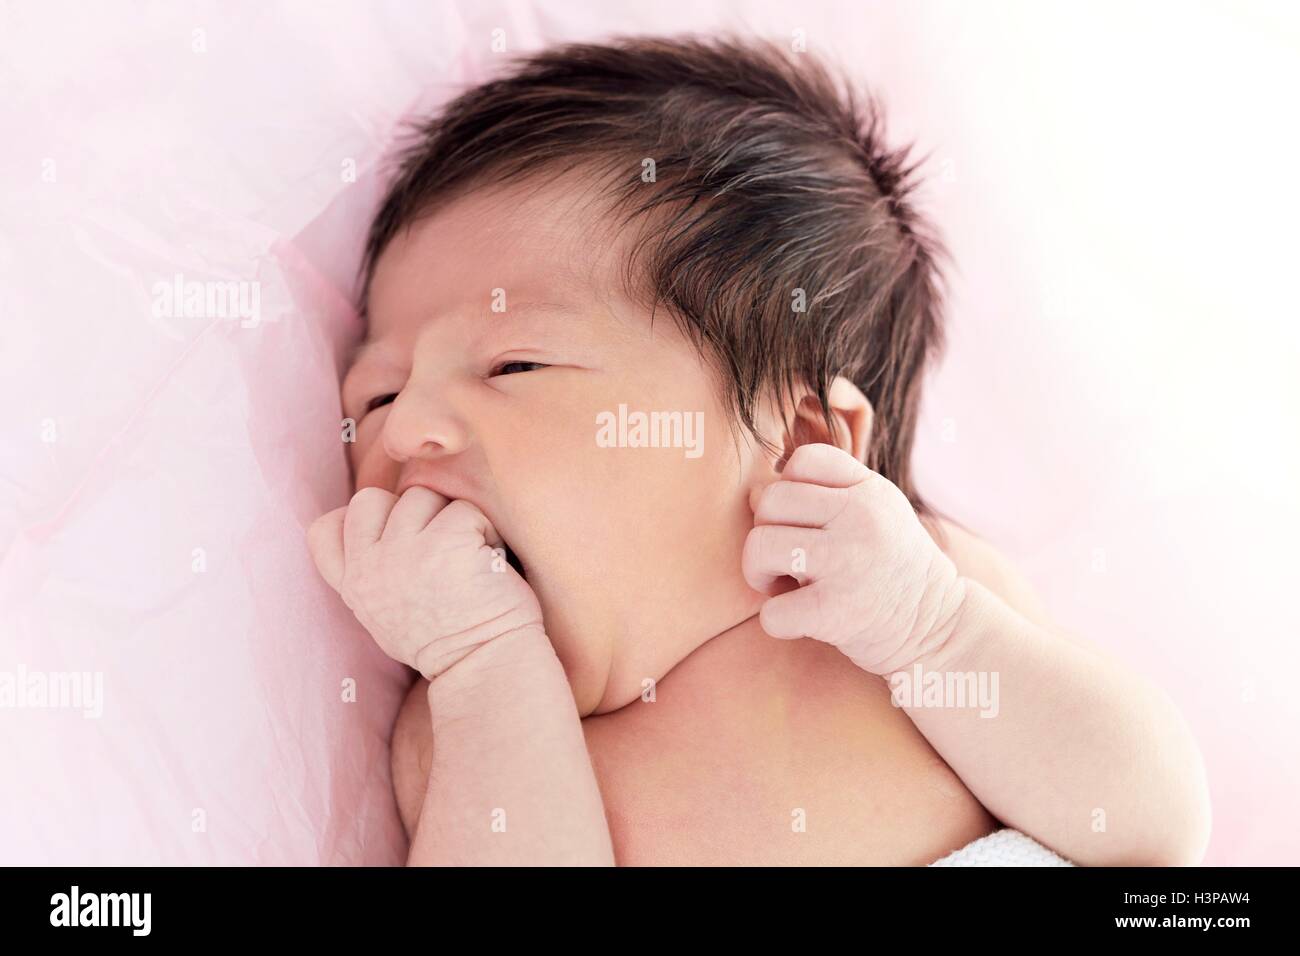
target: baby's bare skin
754 749
744 737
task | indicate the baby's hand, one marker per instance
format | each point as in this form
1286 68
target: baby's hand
870 580
422 576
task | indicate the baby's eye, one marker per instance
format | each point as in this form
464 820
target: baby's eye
511 368
380 400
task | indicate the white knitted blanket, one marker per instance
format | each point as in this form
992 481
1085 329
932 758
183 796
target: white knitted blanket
1003 848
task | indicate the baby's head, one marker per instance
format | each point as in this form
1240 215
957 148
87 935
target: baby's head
711 229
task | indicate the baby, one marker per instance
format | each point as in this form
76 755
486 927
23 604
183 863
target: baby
646 329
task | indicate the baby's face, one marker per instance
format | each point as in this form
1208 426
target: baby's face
633 552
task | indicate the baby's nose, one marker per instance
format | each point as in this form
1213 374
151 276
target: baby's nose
419 428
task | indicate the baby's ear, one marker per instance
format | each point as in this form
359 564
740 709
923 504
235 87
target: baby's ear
851 412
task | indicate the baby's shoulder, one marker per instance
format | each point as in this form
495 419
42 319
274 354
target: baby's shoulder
980 561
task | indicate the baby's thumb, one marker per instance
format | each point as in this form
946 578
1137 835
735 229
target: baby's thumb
325 542
461 515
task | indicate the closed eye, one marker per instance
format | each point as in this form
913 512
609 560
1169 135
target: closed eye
514 368
379 400
506 368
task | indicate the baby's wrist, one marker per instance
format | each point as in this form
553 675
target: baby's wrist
956 638
940 634
496 676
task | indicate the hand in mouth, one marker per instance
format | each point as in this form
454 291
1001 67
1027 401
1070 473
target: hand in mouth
410 482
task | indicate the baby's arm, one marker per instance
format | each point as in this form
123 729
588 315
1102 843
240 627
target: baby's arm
1083 755
511 780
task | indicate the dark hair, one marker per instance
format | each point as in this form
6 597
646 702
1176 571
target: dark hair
770 176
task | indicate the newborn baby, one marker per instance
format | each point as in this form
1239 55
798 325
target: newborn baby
646 329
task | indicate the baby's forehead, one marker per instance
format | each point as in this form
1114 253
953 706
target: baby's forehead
508 243
526 250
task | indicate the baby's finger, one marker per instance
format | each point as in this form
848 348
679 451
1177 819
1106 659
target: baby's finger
824 465
325 542
773 552
461 516
414 510
792 615
367 514
799 504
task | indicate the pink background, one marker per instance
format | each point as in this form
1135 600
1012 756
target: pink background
1117 410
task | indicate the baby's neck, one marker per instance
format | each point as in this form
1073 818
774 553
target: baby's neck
743 663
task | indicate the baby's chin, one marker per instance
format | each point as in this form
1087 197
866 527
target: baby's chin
607 675
615 655
615 688
614 650
600 674
587 659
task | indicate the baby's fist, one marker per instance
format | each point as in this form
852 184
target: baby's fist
870 579
426 577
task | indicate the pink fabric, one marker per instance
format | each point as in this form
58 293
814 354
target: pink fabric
1116 411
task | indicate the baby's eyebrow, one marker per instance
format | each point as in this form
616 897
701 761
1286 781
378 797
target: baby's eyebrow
367 347
535 307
